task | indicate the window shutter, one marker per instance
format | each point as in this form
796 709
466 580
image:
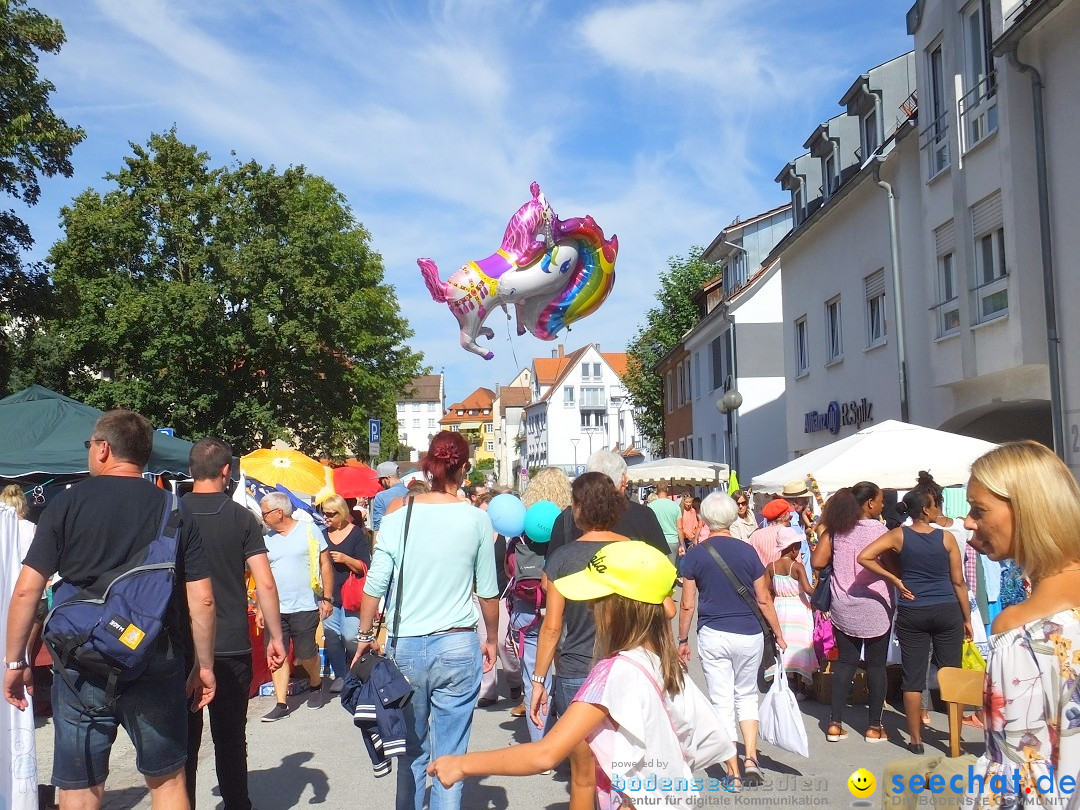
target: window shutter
986 215
875 284
945 238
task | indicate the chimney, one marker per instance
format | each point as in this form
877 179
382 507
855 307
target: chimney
554 354
597 347
562 350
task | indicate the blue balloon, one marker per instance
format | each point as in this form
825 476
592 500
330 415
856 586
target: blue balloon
540 520
507 514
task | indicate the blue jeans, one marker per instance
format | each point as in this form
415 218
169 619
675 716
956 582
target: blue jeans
152 709
339 638
445 670
565 689
520 619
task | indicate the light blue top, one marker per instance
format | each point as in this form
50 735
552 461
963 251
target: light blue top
448 550
288 554
382 500
667 515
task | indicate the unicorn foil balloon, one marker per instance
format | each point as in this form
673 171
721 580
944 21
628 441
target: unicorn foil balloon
553 271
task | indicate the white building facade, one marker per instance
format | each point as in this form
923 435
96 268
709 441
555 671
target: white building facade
419 412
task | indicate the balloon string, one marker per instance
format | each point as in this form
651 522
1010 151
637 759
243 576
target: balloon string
510 340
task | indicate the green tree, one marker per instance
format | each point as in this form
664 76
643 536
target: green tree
34 141
239 301
664 326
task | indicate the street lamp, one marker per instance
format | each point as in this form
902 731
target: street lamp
574 442
728 404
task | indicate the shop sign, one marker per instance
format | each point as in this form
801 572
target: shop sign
838 415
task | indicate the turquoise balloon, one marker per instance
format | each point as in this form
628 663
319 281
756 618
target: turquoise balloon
540 520
507 514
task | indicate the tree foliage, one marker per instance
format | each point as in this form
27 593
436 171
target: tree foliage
34 141
665 324
241 302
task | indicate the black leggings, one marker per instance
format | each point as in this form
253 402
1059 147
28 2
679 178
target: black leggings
843 672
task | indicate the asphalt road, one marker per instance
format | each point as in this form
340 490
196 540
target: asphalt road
316 757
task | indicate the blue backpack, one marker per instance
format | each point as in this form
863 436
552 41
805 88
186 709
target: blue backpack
107 630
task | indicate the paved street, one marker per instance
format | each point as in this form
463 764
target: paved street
317 758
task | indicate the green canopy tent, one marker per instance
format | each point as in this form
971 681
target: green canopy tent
42 433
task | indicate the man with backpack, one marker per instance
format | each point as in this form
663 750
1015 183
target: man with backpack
116 522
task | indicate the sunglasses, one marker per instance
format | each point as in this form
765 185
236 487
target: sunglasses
89 442
330 514
740 503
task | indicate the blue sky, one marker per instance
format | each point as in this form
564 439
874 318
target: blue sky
664 120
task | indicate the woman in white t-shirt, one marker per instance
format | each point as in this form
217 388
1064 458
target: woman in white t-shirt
648 725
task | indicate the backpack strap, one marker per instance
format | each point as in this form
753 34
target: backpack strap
741 589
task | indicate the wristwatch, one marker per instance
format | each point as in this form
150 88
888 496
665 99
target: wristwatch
538 678
16 665
324 599
684 641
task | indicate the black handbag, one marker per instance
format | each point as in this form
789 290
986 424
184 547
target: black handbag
363 667
769 648
822 596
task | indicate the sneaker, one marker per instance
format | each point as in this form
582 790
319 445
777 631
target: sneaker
337 686
483 703
876 734
315 697
835 733
280 710
916 748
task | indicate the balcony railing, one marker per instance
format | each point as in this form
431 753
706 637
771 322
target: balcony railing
935 139
978 112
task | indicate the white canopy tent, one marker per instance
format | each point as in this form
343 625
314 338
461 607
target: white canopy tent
889 454
679 472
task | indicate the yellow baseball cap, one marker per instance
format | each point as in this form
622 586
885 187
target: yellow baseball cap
629 568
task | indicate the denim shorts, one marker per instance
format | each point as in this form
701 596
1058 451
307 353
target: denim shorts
152 709
565 689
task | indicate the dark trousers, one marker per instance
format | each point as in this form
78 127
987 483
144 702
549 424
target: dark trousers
228 727
843 672
920 628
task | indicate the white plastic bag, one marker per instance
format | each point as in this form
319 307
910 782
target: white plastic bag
781 720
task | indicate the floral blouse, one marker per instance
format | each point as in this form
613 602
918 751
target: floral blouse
1032 713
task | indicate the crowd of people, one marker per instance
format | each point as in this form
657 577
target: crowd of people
592 620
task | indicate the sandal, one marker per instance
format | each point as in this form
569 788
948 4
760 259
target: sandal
916 748
974 721
752 774
835 733
876 734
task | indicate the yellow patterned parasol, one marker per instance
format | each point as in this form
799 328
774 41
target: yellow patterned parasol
290 468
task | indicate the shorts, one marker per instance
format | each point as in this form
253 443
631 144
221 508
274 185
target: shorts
300 628
153 711
565 690
919 628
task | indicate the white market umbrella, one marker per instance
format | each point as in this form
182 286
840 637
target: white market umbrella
678 471
890 454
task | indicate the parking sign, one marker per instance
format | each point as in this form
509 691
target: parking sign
374 427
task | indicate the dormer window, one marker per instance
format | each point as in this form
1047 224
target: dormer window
798 202
830 181
870 133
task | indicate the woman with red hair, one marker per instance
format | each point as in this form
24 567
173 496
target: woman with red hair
434 562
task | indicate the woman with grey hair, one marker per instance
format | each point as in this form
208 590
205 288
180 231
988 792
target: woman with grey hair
730 637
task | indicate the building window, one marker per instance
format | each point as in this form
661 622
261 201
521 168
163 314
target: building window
584 371
802 348
596 373
594 419
935 136
401 406
431 406
401 424
416 424
671 449
978 107
689 446
682 385
668 394
592 396
834 331
568 396
830 181
455 428
869 133
490 447
875 308
430 423
948 309
416 406
798 202
682 448
689 380
991 274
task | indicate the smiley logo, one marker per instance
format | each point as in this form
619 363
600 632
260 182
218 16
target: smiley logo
861 783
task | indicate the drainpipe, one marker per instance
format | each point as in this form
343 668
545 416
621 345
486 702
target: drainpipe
1053 341
898 301
880 125
802 183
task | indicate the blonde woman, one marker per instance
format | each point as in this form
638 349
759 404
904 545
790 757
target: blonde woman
350 553
12 495
1025 506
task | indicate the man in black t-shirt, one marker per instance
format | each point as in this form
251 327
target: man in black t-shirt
232 539
85 532
638 522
